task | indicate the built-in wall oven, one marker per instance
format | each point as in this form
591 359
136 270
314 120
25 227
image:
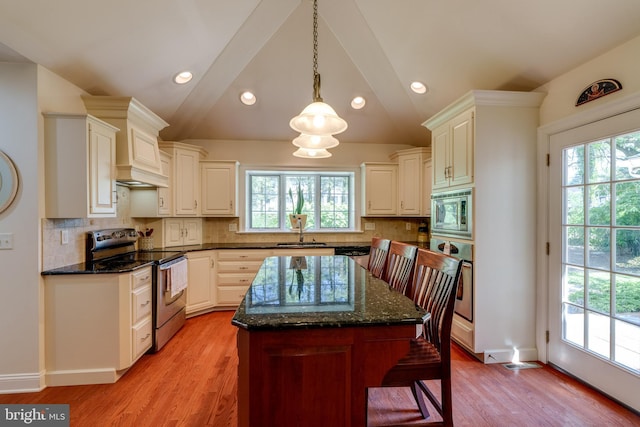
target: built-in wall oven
462 329
113 250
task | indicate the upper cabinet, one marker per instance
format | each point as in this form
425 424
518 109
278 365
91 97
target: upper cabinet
80 176
185 182
379 189
137 153
452 145
218 181
411 183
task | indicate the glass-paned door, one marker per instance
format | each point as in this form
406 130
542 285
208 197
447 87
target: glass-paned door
594 265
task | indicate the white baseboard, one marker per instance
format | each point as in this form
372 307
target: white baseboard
83 377
22 383
506 355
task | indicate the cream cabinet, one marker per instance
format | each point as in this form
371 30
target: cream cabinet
80 179
201 290
427 178
411 198
504 185
176 231
96 325
218 180
452 146
185 182
379 189
153 202
236 270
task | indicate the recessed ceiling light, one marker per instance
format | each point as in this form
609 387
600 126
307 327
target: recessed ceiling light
247 98
183 77
358 102
418 87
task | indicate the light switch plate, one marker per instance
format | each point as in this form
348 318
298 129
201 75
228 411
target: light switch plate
233 227
6 240
369 225
64 237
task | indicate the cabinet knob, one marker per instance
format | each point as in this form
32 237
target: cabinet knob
162 202
195 204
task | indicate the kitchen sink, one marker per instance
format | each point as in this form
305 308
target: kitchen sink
302 245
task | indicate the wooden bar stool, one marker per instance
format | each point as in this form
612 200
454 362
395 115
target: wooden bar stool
378 256
399 268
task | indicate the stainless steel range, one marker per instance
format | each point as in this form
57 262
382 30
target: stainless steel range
114 250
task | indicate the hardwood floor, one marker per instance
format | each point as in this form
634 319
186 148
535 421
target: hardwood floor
192 382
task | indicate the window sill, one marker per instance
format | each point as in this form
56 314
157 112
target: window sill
297 232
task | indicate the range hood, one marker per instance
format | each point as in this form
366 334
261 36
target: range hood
137 153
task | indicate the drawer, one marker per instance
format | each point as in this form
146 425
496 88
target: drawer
230 295
243 255
141 277
141 339
140 303
239 266
231 279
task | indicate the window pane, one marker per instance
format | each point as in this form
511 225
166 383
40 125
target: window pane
573 324
574 165
599 291
599 335
628 203
573 290
574 206
628 298
335 202
628 252
600 161
628 155
627 344
264 194
599 255
599 204
575 245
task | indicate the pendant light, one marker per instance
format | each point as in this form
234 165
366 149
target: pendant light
318 121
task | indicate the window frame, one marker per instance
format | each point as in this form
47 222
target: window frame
284 209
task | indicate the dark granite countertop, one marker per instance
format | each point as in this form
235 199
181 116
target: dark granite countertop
325 291
95 268
270 245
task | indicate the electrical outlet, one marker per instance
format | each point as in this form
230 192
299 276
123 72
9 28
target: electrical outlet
6 241
233 227
369 226
407 226
64 237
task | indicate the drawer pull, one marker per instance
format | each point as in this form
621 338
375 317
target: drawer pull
145 337
244 280
244 268
145 303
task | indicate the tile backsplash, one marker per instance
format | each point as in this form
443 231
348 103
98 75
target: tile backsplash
215 230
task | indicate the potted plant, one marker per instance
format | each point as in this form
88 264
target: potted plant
297 218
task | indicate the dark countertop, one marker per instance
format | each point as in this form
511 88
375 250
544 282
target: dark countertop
89 268
328 291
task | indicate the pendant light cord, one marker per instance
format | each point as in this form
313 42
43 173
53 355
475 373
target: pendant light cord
316 75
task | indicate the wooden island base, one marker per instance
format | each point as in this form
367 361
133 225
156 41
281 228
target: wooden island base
314 377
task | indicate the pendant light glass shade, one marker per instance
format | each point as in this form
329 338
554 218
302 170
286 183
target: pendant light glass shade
318 118
310 153
315 142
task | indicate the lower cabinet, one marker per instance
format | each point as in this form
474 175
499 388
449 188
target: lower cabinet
96 326
219 279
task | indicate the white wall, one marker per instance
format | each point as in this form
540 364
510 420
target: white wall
20 283
621 63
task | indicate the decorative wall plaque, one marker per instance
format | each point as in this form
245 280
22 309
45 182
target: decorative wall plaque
598 89
8 182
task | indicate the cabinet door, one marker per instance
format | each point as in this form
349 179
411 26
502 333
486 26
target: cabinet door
461 149
102 184
192 228
186 192
218 180
200 293
164 193
173 232
440 155
426 187
381 183
409 184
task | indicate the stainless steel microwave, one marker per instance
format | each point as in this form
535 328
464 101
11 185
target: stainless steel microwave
451 213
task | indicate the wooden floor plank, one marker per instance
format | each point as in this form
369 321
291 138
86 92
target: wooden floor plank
192 382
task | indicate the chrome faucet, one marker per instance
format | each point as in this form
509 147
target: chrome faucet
301 230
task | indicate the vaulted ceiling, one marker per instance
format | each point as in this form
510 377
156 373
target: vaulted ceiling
371 48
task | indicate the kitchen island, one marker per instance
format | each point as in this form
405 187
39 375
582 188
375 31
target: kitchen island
313 333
